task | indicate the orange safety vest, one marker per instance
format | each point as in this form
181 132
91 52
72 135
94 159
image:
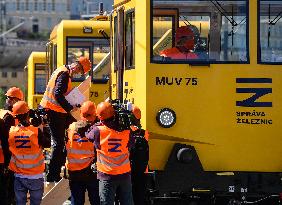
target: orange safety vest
176 54
80 151
49 100
113 155
27 157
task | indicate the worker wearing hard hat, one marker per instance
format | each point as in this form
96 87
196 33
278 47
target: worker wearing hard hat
13 95
26 144
81 158
113 164
139 157
54 99
185 37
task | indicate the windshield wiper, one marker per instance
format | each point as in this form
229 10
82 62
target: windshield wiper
219 7
104 34
276 19
186 21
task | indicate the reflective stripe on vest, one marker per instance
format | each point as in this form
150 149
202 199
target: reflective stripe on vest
49 100
113 155
77 151
79 161
26 166
80 151
112 162
27 156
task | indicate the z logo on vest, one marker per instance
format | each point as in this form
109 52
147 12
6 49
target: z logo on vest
114 145
22 141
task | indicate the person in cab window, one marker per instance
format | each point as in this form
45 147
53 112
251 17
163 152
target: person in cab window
59 108
81 158
185 39
113 166
13 95
26 144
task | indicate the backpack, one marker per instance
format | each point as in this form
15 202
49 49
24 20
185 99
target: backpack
139 153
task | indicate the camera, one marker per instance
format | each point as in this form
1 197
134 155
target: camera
38 116
123 115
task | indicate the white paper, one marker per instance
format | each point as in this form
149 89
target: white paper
85 85
75 97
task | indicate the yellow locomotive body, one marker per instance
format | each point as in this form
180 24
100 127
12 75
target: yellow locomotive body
220 110
74 38
36 75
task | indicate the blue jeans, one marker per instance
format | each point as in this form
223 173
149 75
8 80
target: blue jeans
109 188
35 187
78 189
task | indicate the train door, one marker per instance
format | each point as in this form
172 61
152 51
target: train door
124 54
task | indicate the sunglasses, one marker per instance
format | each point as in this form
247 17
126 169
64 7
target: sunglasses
12 98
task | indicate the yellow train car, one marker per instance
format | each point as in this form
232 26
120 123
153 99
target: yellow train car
71 39
213 109
37 78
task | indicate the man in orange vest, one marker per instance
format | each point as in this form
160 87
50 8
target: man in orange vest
185 42
13 95
26 144
54 99
113 164
80 158
139 156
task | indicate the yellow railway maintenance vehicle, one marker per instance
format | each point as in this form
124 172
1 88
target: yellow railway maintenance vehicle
37 78
214 119
71 39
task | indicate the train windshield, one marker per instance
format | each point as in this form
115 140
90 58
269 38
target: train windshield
270 32
97 50
199 31
40 78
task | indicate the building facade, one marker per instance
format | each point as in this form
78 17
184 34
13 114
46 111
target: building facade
9 78
38 15
88 7
33 17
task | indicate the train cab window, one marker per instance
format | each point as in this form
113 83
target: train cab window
270 32
97 50
205 31
40 78
129 40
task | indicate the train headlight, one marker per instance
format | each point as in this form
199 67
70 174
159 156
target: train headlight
166 117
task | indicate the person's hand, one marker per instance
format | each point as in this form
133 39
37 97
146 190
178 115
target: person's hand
75 109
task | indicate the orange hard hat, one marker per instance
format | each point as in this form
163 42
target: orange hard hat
136 112
105 110
15 93
88 111
20 107
85 62
186 35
